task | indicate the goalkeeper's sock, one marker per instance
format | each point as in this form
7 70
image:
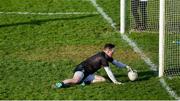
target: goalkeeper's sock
64 85
60 85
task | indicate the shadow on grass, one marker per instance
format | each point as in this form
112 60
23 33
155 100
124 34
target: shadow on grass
41 21
142 76
146 75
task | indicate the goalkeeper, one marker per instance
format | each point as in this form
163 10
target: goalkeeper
84 72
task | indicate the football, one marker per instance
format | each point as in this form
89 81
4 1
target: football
133 75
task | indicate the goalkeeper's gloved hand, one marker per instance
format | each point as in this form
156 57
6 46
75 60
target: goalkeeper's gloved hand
129 68
118 83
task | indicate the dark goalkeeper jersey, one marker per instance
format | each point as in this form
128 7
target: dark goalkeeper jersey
94 63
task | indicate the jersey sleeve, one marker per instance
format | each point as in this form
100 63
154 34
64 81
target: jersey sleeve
118 64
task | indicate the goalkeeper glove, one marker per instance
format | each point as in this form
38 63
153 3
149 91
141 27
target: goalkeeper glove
118 83
129 68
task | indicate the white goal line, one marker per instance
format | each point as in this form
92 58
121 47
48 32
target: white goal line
57 13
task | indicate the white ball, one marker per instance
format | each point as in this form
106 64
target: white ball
133 75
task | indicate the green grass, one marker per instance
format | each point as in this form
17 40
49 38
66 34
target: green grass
32 79
37 51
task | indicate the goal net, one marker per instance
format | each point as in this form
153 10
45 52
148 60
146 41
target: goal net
172 37
144 17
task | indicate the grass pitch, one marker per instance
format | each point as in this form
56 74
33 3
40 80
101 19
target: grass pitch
37 51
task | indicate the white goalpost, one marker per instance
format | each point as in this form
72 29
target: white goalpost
161 36
122 16
156 16
169 38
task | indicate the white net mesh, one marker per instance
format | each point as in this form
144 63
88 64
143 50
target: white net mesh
144 15
172 37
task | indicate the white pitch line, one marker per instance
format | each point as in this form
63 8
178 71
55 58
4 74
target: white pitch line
58 13
164 84
135 48
101 11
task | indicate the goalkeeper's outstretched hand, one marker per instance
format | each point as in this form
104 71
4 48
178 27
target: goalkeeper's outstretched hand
118 83
129 68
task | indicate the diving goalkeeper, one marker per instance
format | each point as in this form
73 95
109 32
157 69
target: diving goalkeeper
84 72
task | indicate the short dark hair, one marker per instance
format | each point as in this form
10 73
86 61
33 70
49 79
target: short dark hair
109 46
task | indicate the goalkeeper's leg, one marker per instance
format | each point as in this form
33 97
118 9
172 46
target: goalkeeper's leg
94 79
78 76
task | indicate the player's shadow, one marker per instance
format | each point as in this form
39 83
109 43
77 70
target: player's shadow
41 21
142 76
146 75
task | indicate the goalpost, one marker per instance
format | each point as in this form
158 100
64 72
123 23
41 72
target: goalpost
161 17
161 37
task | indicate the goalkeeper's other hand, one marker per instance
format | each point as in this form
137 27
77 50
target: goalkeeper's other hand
118 83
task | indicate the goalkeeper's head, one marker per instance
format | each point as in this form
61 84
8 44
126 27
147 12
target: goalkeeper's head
109 49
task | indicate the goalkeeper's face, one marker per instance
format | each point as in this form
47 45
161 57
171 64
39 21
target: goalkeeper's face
110 52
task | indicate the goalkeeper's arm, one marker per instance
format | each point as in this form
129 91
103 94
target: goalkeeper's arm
111 75
120 65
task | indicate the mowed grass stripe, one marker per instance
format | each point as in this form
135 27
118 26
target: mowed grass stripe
45 6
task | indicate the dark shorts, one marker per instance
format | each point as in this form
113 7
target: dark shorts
81 68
